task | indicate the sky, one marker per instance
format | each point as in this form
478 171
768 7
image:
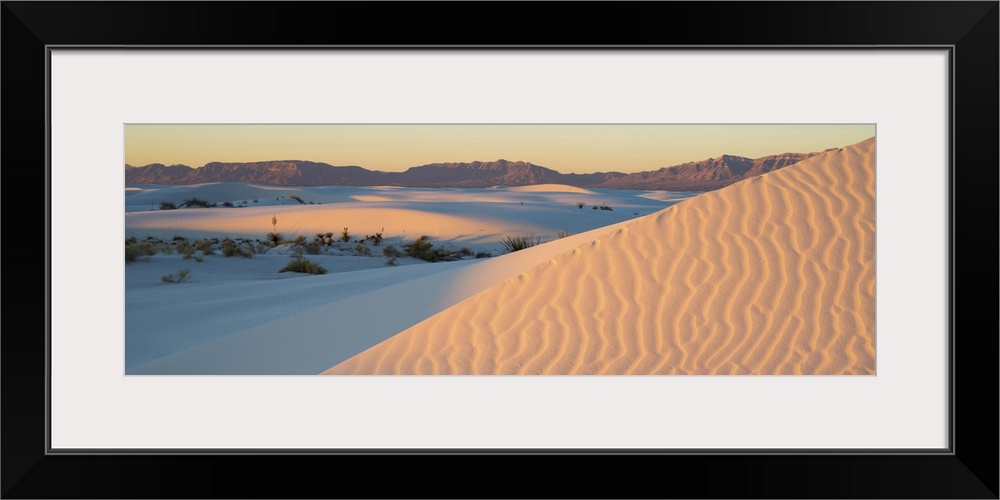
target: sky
568 148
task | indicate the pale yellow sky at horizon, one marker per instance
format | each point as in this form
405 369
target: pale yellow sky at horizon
568 148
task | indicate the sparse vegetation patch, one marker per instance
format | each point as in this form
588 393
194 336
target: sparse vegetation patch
205 246
230 249
135 252
314 248
360 249
422 249
197 202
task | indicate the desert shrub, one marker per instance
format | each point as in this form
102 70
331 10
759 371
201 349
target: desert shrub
168 205
184 248
181 276
464 251
262 247
605 207
314 248
519 242
165 249
179 238
230 249
595 207
275 238
360 249
296 198
580 204
255 200
392 261
445 254
147 248
299 240
303 265
390 251
563 234
130 240
377 237
483 255
138 252
345 236
421 249
205 246
197 202
228 204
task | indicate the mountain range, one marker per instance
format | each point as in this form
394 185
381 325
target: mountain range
704 175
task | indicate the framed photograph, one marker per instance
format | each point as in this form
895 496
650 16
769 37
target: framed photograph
882 402
500 267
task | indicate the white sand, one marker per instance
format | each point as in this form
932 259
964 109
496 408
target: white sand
551 188
773 275
240 316
461 216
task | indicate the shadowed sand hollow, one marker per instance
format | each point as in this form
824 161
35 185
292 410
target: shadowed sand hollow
773 275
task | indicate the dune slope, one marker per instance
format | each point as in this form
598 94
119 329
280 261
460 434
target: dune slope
773 275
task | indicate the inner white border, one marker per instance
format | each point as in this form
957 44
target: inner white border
95 92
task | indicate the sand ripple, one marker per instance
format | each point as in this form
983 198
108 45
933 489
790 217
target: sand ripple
773 275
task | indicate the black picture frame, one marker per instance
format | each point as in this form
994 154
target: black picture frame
968 470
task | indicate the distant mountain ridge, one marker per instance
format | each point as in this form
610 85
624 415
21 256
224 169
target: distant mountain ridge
705 175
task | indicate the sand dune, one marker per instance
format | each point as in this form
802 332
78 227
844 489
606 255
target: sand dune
308 220
772 275
235 192
459 216
550 188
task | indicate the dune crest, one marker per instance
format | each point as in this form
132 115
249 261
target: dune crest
772 275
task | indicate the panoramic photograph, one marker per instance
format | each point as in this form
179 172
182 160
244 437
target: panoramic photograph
514 249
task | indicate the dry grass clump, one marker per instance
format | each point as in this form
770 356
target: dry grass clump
181 276
303 265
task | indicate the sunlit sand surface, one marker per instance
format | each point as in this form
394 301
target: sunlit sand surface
773 275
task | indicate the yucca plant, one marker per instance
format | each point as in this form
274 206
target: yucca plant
519 242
